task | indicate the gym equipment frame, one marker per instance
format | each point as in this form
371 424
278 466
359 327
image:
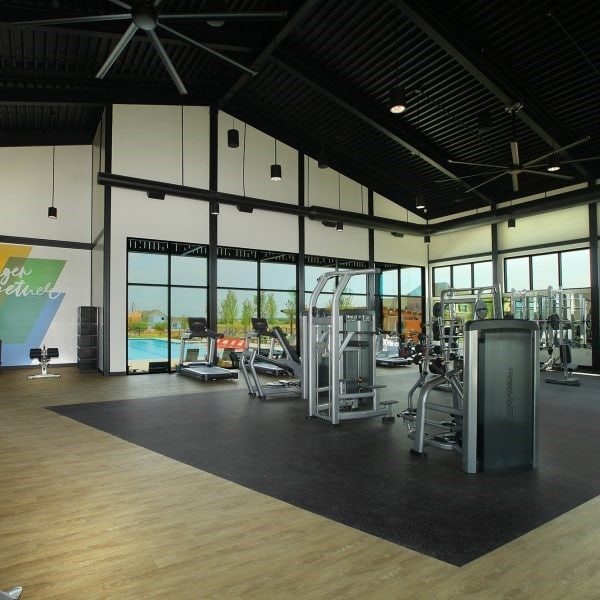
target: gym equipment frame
44 355
493 420
328 338
288 364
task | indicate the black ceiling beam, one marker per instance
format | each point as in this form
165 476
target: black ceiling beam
362 108
265 55
320 213
317 213
208 37
357 170
47 138
98 97
475 64
535 207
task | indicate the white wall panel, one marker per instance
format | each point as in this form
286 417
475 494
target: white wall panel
382 207
196 146
461 243
260 229
352 242
408 250
146 142
26 183
570 223
251 170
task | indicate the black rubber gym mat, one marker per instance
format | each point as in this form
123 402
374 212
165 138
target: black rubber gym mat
361 474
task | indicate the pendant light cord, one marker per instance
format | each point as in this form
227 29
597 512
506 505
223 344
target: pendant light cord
182 180
244 163
53 168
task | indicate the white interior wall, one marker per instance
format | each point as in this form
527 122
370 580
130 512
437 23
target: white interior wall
547 228
352 242
97 226
153 152
329 189
260 229
26 176
461 243
382 207
408 250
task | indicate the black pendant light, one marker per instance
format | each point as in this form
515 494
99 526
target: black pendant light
275 168
233 136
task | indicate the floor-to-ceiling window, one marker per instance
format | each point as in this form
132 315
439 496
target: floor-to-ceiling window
402 300
466 279
255 283
166 284
554 283
355 292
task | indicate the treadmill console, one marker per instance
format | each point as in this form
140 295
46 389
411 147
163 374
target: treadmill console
260 325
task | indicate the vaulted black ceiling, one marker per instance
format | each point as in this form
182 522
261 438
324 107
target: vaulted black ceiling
323 76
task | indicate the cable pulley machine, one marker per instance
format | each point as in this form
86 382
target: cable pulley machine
339 366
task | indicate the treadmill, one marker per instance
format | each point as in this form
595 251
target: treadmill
266 364
205 370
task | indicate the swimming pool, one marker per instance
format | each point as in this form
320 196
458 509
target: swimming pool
151 349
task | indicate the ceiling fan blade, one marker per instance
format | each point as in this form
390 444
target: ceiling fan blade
116 51
515 181
465 176
472 189
587 138
72 20
121 4
189 40
227 16
514 152
568 162
460 162
166 61
547 174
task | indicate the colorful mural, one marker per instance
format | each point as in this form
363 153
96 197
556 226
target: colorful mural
28 301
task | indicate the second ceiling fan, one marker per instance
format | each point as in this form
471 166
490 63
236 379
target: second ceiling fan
531 167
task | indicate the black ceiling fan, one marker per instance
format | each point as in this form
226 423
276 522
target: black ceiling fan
146 15
531 167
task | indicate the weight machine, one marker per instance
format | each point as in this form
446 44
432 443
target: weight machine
339 359
43 355
489 366
564 322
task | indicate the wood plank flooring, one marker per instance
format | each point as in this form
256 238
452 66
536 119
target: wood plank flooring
84 515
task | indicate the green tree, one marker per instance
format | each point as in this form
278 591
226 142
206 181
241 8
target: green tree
160 326
248 312
139 326
229 309
269 307
290 309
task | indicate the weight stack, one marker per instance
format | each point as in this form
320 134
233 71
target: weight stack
500 395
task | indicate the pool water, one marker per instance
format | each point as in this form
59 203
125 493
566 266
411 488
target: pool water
151 349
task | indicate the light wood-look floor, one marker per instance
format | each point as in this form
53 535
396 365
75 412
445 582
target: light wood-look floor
86 516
